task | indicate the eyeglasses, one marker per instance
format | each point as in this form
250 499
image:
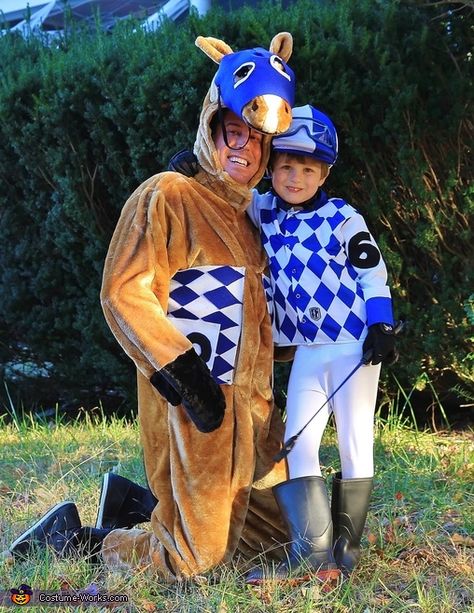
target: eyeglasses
236 136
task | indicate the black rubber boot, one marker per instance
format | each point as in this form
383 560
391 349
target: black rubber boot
60 529
123 503
87 542
304 507
349 506
55 529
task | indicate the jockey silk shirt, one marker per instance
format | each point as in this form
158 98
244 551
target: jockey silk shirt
328 281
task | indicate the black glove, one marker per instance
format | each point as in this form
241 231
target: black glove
184 162
189 379
165 389
379 345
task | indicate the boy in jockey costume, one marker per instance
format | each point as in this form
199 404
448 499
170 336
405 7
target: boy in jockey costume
330 299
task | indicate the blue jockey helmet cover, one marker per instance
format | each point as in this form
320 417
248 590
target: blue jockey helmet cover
311 133
244 75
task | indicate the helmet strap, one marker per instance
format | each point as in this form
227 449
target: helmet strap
268 174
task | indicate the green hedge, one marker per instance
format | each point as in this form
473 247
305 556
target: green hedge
85 120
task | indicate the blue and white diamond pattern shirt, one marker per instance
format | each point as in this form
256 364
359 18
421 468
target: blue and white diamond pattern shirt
205 304
328 280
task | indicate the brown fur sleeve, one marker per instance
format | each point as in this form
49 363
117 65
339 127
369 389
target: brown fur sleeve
135 286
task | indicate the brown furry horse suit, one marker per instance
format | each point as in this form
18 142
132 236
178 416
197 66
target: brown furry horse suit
214 489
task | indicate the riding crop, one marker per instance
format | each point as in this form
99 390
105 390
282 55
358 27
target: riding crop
366 358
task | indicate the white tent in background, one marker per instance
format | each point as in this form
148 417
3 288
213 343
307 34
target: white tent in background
28 16
172 10
35 20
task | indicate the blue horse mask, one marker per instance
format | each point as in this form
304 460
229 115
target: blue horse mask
256 84
246 75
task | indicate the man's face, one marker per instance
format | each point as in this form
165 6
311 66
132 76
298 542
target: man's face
240 164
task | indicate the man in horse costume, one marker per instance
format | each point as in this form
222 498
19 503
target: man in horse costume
184 271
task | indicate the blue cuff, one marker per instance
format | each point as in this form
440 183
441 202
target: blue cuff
379 310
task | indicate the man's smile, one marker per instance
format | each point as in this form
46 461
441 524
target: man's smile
238 160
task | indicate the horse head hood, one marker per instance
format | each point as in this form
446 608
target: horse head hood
258 86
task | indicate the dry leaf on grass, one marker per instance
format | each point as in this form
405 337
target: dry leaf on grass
419 554
261 592
460 539
65 585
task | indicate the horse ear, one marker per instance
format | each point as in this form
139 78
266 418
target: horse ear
213 47
282 45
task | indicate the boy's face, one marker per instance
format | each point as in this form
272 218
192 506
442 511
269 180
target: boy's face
243 160
297 179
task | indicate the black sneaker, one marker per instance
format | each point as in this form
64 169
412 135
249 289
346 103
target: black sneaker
123 503
56 528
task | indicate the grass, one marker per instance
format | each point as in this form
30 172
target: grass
418 545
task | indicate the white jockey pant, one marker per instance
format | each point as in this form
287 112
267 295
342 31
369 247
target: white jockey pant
316 372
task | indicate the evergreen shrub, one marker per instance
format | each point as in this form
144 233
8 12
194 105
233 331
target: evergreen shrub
84 120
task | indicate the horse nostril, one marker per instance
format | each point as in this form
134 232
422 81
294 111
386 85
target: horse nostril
255 106
287 109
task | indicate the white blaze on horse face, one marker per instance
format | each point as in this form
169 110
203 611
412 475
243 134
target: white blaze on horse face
269 114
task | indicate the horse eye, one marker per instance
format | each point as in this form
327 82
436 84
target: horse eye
279 66
242 72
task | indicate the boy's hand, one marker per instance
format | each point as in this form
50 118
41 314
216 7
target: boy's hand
184 162
379 345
